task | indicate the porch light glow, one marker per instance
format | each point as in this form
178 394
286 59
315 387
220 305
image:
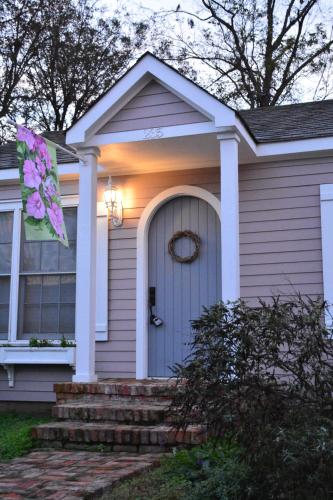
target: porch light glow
114 203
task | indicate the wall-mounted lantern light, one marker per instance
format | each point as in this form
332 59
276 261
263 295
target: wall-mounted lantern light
113 201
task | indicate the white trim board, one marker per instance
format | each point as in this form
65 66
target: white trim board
161 133
300 147
142 265
102 275
326 210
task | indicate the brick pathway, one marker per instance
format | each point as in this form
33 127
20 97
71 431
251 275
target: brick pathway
68 475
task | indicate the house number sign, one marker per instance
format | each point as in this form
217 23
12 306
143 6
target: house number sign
153 133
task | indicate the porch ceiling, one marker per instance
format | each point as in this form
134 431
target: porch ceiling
177 153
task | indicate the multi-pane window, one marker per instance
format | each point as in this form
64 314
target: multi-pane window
6 236
37 280
47 286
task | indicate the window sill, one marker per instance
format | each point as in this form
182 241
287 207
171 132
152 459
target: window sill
25 355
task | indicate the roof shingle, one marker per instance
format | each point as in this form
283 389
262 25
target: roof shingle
290 122
8 156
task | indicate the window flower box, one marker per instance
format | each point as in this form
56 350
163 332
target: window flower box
25 355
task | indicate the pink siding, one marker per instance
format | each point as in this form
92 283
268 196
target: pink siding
280 227
9 192
12 191
279 235
153 106
33 383
280 249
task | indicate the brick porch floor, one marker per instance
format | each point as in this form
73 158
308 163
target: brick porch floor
68 475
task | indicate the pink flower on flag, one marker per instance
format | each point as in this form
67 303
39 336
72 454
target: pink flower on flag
25 135
56 218
35 206
44 152
48 161
50 189
40 166
32 179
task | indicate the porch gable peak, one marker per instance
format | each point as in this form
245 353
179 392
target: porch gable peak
193 100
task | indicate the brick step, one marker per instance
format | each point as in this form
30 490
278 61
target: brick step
116 437
121 411
105 398
115 388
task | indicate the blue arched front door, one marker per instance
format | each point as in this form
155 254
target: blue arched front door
181 289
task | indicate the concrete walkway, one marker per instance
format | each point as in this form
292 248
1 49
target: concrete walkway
68 475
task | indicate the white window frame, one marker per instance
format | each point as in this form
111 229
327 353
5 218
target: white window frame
326 211
15 206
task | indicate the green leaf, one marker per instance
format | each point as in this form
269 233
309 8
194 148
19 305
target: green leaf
54 175
56 200
50 228
21 148
37 223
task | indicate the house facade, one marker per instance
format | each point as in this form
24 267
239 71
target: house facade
252 190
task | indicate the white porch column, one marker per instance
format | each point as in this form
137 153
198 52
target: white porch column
85 315
229 216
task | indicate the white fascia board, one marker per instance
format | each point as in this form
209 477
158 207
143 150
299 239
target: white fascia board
294 147
148 68
161 133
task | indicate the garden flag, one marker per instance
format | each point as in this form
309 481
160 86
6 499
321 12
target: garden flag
42 211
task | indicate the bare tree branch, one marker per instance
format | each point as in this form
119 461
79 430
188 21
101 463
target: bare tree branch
267 47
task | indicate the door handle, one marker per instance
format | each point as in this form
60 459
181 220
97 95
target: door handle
154 320
152 296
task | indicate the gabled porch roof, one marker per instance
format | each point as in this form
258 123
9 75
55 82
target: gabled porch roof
264 133
275 132
216 117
